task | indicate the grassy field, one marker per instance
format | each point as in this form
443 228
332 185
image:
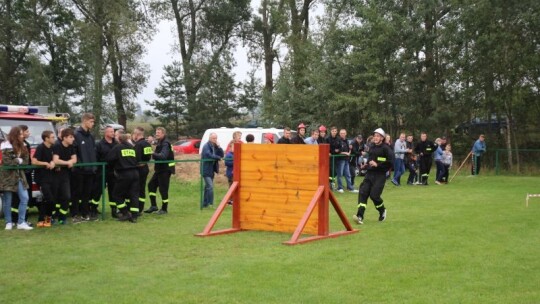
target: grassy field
472 241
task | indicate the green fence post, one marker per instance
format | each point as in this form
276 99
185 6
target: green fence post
497 162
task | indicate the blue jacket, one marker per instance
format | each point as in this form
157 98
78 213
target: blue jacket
438 153
229 164
210 152
479 147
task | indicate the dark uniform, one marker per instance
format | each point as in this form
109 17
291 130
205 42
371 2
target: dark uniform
62 180
84 176
162 176
373 183
410 163
143 150
424 150
123 159
102 150
45 179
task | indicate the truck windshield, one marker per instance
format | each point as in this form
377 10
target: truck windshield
36 127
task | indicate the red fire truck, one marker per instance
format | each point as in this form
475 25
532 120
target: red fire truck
37 123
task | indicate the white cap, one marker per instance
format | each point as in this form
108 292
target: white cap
380 131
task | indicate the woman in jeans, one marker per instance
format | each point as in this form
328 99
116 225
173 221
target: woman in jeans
14 153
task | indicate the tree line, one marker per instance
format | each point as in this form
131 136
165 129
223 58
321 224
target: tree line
399 64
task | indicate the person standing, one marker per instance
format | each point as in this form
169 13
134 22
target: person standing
410 160
103 148
400 149
343 162
162 173
143 150
300 134
312 140
211 154
286 139
322 135
45 177
479 148
357 149
447 160
14 153
438 155
229 165
380 160
28 174
424 149
64 155
123 160
84 176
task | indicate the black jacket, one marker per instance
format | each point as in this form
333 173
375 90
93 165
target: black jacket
425 148
143 150
122 157
102 150
86 150
164 151
383 155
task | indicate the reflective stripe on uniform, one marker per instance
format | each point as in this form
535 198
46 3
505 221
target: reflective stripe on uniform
133 209
171 164
379 206
112 204
123 205
151 194
147 150
142 199
166 201
381 158
15 210
361 205
64 212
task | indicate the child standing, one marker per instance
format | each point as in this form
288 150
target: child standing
447 161
229 164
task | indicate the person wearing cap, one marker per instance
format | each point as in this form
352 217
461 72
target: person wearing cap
300 134
268 138
425 149
312 140
322 135
380 160
479 148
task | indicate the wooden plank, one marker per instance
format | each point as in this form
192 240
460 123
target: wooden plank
274 212
281 226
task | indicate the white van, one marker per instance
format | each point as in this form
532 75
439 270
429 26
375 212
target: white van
225 135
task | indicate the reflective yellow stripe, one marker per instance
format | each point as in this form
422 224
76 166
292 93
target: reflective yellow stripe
171 164
134 209
123 205
112 204
64 212
57 205
166 201
94 202
147 150
361 205
142 199
379 206
381 158
128 152
425 174
15 210
151 194
128 200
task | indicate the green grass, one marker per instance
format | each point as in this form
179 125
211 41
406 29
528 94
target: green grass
472 241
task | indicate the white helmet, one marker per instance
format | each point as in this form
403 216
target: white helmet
380 131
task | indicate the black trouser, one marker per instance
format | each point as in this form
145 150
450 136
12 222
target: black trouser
143 175
61 192
82 194
98 190
127 188
476 163
425 166
372 187
446 172
159 180
411 166
352 170
47 205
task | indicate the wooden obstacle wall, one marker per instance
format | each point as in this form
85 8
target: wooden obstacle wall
277 182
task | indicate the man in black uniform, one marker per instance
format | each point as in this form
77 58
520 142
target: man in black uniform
84 176
424 150
123 159
44 177
143 150
64 155
286 138
380 160
162 173
103 148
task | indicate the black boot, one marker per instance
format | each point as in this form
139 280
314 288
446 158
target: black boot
114 212
124 216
